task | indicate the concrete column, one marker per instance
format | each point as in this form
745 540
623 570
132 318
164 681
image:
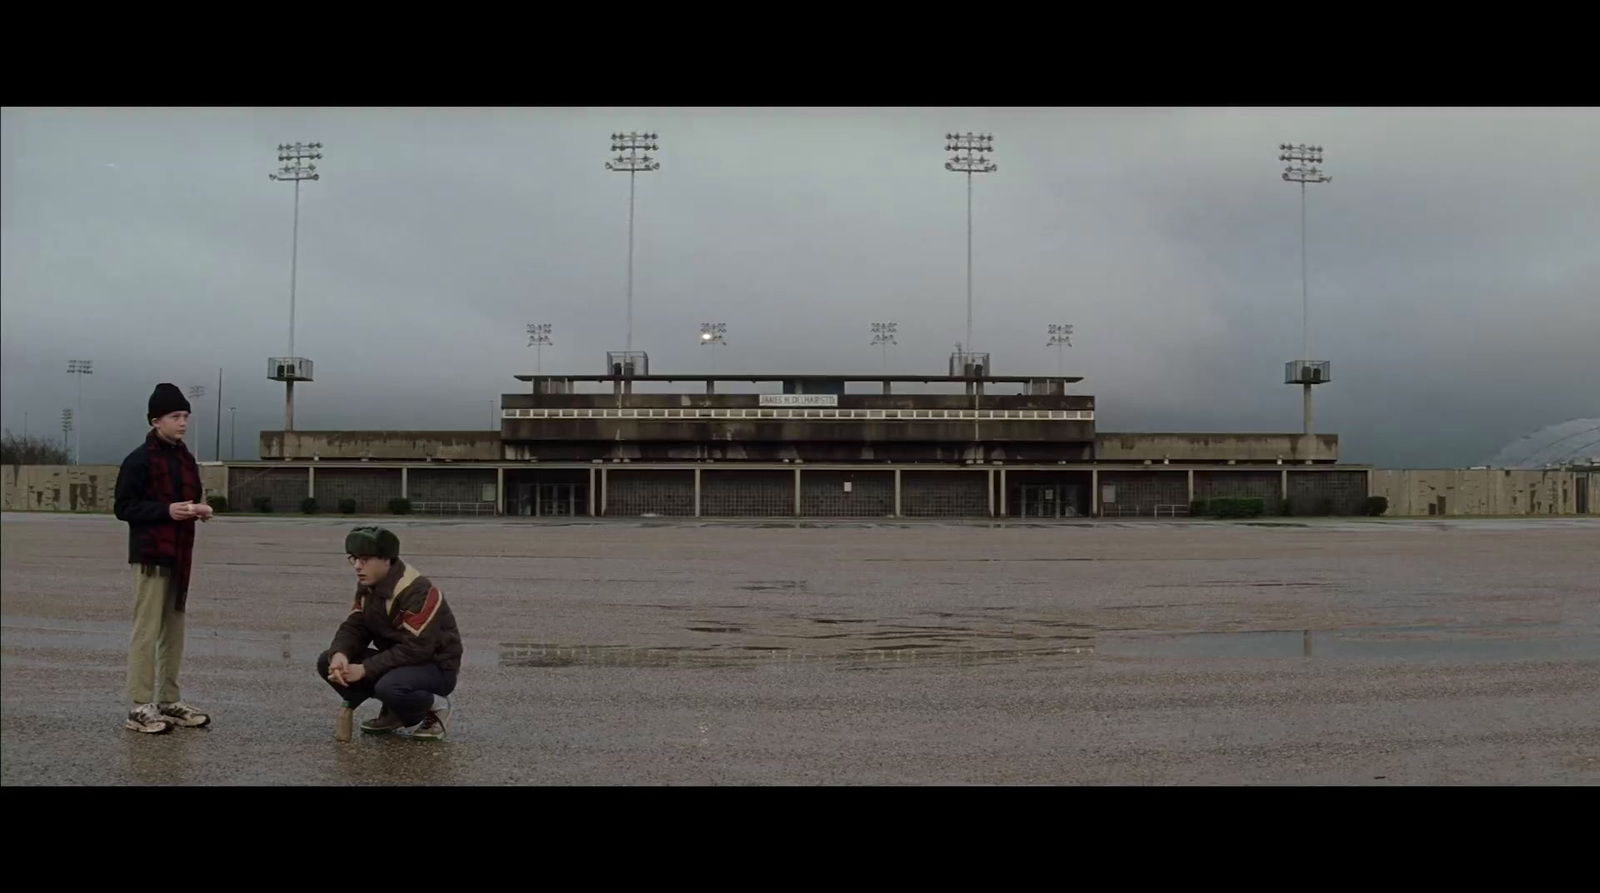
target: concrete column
991 492
311 481
797 492
1094 492
888 389
593 506
1369 484
697 483
405 482
605 489
1283 485
1003 493
499 491
1191 486
897 512
711 388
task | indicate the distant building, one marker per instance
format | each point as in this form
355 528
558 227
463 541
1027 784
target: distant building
629 443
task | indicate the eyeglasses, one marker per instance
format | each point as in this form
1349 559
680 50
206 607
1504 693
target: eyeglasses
356 561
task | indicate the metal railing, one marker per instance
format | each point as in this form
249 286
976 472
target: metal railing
1172 511
707 413
453 508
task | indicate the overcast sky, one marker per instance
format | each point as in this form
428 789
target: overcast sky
1455 279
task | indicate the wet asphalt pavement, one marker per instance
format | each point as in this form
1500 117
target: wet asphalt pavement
1321 652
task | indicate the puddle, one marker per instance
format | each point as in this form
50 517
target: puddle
776 586
886 643
1458 644
513 654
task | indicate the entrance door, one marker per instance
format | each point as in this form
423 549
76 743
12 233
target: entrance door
553 500
561 500
1041 501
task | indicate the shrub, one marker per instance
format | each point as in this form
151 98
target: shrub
262 504
1237 508
1197 509
399 506
347 506
1375 505
309 505
218 503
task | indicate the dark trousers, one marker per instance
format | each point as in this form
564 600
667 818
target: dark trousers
406 691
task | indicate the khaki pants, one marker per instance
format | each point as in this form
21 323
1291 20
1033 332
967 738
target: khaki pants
157 632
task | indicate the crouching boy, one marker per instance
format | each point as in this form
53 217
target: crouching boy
399 644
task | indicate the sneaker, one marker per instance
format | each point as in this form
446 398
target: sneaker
182 714
342 725
382 724
430 729
147 718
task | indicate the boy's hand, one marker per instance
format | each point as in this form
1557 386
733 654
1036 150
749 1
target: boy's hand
354 673
336 669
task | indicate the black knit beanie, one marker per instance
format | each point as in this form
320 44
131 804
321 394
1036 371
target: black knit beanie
166 399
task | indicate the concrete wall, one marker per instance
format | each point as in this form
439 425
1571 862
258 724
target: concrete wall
77 488
1115 447
382 445
1485 491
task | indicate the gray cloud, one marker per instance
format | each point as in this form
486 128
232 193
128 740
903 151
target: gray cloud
1453 274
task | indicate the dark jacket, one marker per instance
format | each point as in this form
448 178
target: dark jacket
405 617
138 506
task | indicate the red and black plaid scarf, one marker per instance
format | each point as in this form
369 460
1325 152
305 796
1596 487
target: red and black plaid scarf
172 541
